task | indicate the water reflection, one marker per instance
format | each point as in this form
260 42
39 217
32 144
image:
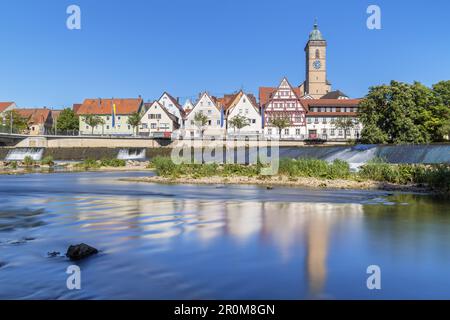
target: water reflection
186 242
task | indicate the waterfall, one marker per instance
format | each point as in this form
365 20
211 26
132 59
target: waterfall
132 154
19 154
355 157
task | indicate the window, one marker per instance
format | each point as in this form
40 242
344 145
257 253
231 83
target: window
286 132
332 132
107 118
153 126
209 122
192 122
324 131
297 132
317 54
253 120
129 127
324 120
209 111
316 120
107 127
269 131
309 120
340 133
218 122
347 132
192 134
118 118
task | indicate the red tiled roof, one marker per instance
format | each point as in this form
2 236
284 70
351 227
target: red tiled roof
331 114
330 102
35 116
55 114
105 106
76 107
5 105
265 94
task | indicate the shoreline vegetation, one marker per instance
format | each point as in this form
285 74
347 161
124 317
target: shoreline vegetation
310 173
303 172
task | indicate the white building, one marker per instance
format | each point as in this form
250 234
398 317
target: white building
157 121
172 105
323 113
244 105
216 122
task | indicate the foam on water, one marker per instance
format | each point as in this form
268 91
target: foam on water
132 154
20 154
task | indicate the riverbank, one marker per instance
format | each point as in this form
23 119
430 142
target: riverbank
311 173
301 182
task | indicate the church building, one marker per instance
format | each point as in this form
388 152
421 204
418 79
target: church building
311 108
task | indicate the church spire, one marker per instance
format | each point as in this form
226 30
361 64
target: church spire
315 34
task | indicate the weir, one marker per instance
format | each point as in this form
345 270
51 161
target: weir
132 154
19 154
360 154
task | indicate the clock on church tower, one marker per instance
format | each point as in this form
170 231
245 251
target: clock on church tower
316 84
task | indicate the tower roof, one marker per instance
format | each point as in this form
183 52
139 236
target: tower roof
315 34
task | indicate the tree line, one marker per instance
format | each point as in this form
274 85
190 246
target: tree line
401 113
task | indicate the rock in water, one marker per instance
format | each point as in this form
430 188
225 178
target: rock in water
80 251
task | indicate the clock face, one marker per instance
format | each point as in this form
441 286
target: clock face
317 64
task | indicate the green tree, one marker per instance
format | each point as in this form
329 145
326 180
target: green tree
18 122
344 123
442 92
67 121
404 113
238 122
134 120
201 121
280 123
93 121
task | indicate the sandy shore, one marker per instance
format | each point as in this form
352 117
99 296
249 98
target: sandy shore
303 182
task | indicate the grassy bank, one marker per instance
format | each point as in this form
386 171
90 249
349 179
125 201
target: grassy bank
434 177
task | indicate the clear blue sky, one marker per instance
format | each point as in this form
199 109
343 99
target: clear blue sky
144 47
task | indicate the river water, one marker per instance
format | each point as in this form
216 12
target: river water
217 242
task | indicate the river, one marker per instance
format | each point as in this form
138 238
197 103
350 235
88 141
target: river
217 242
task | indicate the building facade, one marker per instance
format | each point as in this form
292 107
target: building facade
39 120
214 112
283 102
114 114
173 106
157 121
244 105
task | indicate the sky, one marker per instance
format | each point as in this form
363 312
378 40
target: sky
145 47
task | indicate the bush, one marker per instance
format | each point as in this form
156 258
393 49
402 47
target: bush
113 163
88 164
28 161
164 166
48 161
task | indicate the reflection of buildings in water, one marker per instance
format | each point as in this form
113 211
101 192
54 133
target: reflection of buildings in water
287 225
291 223
243 219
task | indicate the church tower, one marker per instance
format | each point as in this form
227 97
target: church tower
316 83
